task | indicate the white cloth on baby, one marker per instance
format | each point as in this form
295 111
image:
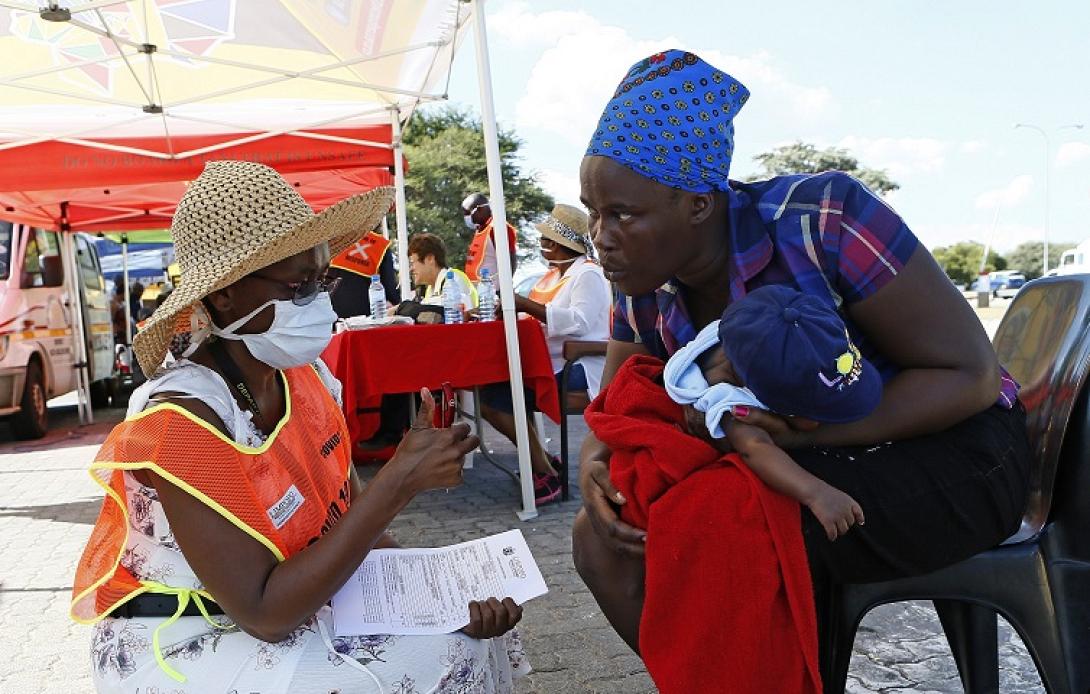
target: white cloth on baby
687 386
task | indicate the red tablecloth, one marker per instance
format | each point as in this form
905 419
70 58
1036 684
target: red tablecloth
404 358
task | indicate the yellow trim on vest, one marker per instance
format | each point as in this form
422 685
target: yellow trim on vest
183 594
428 290
200 496
245 450
117 560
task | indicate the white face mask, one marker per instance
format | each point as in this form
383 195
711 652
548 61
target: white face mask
297 336
469 221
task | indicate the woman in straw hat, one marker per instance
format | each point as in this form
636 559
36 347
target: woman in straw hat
572 302
233 513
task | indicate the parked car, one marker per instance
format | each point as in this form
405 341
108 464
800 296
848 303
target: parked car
1006 284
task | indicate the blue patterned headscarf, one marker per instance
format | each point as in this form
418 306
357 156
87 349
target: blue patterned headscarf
671 121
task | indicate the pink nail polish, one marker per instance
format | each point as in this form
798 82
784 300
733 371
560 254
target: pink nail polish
741 411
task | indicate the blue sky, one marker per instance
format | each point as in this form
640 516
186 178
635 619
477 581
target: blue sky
929 91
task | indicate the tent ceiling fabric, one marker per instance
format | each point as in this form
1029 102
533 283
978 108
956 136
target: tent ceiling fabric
139 92
221 66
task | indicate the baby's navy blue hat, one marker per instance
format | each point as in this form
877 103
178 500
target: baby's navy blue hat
793 351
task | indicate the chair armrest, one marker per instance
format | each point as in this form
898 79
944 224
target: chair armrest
576 349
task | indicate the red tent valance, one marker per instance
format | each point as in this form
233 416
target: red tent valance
151 205
135 191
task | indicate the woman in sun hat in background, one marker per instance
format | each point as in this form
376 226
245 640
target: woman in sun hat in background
572 302
233 512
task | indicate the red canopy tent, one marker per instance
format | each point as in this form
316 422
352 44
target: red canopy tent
96 95
46 184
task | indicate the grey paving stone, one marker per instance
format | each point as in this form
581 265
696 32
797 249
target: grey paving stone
48 503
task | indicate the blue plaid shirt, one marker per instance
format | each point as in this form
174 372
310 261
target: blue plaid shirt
824 234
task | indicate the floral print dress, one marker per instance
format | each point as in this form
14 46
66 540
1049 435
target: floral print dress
231 661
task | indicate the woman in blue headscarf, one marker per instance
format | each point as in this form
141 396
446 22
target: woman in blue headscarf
940 467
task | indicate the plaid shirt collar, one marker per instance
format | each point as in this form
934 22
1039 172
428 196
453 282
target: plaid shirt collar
751 251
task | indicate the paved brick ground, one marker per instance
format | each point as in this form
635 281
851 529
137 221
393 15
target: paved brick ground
47 503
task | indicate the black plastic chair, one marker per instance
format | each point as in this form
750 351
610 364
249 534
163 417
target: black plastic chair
572 402
1039 579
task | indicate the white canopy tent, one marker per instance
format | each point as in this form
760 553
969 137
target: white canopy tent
100 94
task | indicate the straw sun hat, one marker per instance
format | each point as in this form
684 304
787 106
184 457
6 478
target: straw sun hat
236 218
567 226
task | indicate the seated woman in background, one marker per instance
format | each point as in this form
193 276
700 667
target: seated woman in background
428 265
572 302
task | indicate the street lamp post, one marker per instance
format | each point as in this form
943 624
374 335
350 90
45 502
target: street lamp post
1048 167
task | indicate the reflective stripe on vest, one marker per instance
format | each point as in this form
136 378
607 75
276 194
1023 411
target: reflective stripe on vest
429 290
285 493
364 256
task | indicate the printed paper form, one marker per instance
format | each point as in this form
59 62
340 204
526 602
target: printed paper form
428 591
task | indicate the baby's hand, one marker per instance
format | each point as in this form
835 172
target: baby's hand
835 510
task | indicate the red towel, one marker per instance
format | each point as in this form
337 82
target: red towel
728 604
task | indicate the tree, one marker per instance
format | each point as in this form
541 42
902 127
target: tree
801 157
1026 257
445 149
962 261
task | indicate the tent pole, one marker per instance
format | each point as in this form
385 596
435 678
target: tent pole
127 344
399 205
385 228
503 258
72 308
125 270
83 385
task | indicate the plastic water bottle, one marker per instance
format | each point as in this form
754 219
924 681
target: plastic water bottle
376 294
486 297
452 300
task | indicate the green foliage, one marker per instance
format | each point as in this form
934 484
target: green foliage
962 261
445 149
1026 257
801 157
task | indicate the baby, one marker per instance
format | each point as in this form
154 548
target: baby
789 353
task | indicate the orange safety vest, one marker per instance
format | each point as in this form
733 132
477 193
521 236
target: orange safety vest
475 254
548 286
364 256
285 494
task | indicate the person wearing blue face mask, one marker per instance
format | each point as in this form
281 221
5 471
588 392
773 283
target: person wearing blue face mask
234 458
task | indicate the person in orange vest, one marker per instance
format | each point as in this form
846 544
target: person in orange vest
370 255
232 510
572 302
482 247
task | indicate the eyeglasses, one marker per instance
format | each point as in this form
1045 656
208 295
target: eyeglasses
304 293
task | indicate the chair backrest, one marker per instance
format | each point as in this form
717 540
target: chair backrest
1044 342
572 402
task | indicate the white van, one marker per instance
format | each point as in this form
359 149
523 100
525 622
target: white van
38 353
1074 261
